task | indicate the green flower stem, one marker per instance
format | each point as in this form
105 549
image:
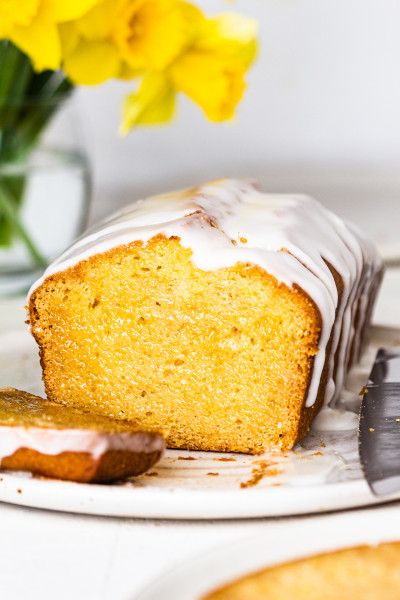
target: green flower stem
28 101
15 186
32 124
12 85
10 208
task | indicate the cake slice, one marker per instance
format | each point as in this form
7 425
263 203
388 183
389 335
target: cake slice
52 440
226 315
366 572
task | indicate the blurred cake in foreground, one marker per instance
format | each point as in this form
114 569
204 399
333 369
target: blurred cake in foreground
370 573
47 439
223 314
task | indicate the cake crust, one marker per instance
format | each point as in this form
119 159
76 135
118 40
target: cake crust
81 467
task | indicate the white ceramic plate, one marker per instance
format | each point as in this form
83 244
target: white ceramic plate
323 474
202 575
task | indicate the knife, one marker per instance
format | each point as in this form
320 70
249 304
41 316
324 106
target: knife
379 424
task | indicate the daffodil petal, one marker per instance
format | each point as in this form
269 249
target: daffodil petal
153 103
191 12
92 63
40 41
68 10
126 73
230 34
212 72
232 26
194 19
69 37
16 12
98 23
215 83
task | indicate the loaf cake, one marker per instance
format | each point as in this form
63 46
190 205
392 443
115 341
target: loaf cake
370 573
226 315
52 440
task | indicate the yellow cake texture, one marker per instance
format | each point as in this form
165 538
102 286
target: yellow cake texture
367 573
201 313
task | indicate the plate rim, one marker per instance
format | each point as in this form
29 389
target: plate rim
183 504
167 503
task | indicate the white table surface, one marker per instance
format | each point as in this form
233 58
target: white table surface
47 555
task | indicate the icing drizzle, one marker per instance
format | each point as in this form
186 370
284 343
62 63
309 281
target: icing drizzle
54 441
229 221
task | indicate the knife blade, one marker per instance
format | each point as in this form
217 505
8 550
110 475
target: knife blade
379 424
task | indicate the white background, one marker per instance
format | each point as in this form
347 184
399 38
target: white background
324 94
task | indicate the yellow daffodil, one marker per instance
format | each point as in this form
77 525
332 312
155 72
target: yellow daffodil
32 26
214 82
131 36
170 44
89 54
150 33
212 72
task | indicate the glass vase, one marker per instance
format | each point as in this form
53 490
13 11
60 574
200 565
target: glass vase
44 188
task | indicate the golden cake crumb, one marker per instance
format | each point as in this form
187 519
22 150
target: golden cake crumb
217 328
368 573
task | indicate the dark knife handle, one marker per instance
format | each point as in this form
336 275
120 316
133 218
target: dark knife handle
386 366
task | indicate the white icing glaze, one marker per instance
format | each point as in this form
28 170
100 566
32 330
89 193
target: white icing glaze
54 441
334 419
230 221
